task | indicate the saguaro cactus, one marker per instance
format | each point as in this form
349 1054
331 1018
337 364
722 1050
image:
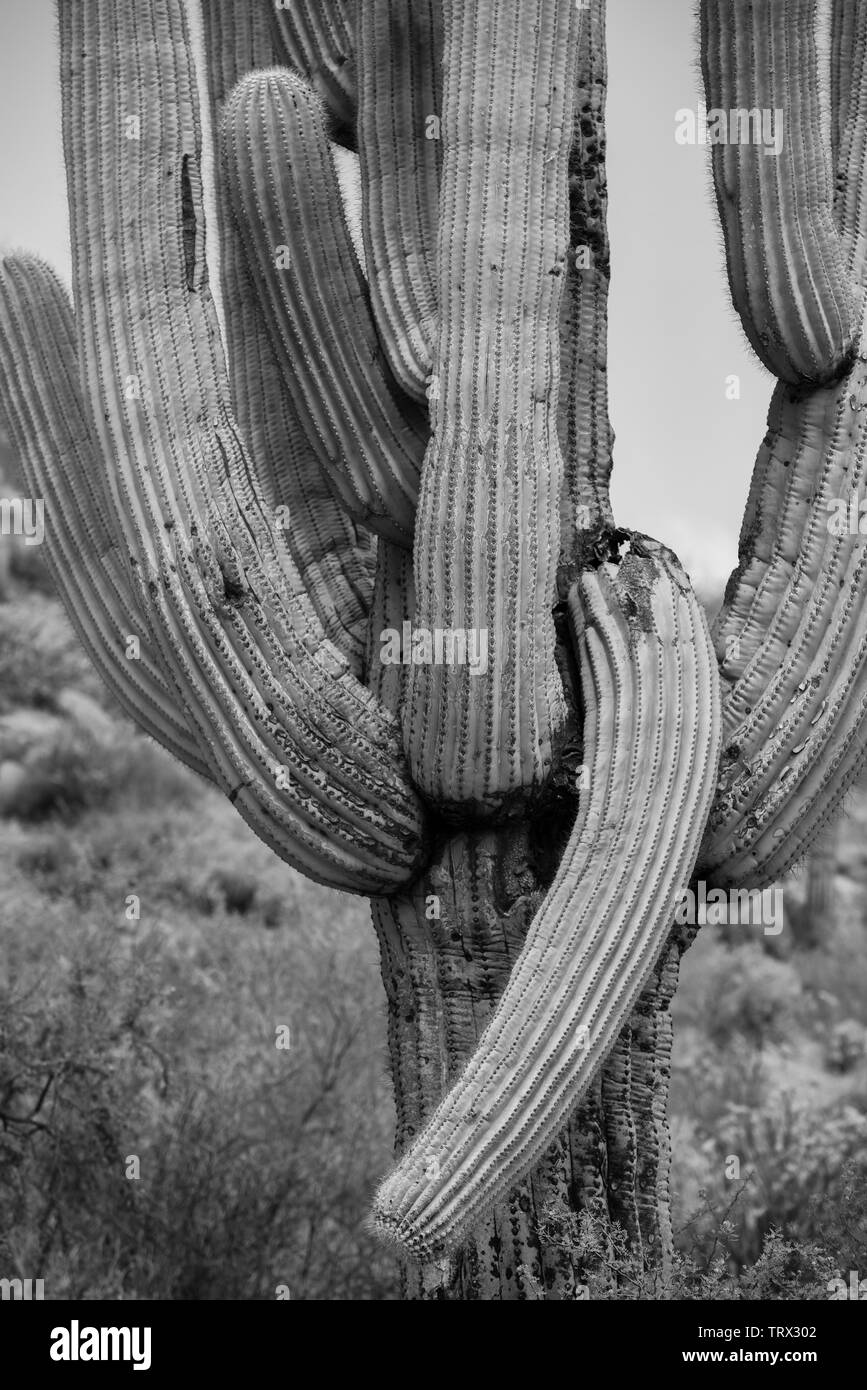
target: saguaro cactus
405 438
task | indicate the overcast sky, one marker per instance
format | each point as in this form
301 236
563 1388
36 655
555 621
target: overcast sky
684 451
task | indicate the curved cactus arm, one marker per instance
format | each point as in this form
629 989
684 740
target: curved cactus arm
792 639
334 558
487 533
763 60
42 407
287 203
652 735
790 636
400 51
316 38
308 756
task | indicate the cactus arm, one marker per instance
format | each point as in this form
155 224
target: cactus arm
792 640
42 406
334 558
400 46
285 193
652 734
342 811
316 38
308 756
786 259
487 535
790 637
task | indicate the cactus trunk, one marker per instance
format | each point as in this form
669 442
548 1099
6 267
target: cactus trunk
447 950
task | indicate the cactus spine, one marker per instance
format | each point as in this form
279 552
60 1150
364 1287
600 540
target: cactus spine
419 436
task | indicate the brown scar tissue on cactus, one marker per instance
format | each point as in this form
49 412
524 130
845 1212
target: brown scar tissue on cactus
399 425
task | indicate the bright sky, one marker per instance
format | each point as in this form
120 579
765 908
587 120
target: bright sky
684 451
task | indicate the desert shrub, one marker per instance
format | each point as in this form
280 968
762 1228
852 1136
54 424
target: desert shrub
842 1217
611 1270
255 1163
64 777
836 976
791 1157
738 992
73 769
846 1046
26 562
237 890
755 1113
40 654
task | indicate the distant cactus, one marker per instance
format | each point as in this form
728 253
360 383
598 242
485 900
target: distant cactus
414 444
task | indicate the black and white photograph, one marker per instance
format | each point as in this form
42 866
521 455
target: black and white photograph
433 669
